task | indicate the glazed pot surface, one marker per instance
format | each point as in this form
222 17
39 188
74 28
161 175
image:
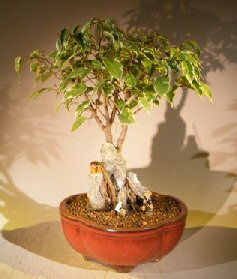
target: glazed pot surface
122 247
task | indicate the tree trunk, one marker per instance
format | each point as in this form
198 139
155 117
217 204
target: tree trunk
122 137
108 133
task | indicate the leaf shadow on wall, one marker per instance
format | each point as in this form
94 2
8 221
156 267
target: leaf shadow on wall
33 226
23 134
179 167
191 19
227 135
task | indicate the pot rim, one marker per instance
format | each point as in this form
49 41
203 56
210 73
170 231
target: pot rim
79 219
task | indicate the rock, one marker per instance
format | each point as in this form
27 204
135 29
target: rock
122 197
114 163
136 185
118 207
110 184
94 193
120 177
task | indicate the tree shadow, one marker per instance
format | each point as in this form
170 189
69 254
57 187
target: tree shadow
179 167
33 226
22 136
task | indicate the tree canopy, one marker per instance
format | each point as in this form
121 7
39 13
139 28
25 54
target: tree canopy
107 73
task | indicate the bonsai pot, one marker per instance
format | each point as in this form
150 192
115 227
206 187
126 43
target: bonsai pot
122 247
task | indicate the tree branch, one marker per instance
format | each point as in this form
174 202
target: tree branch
108 126
93 111
136 111
100 111
91 80
106 111
94 114
114 110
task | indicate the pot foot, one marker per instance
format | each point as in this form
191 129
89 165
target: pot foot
155 260
86 258
122 269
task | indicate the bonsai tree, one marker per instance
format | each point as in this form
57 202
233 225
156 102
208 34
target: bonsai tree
108 74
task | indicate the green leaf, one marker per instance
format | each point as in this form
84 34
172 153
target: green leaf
146 103
96 64
36 93
78 122
191 57
33 66
58 44
53 54
206 90
133 104
161 85
81 39
130 80
76 91
114 67
127 116
36 54
187 70
80 72
68 103
64 34
109 35
63 55
150 92
147 64
86 28
120 104
149 53
63 84
171 94
76 29
174 52
108 89
149 95
46 76
82 107
197 87
18 65
193 46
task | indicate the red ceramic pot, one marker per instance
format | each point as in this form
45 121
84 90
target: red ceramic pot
122 247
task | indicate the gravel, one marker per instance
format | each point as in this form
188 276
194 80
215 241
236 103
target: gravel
165 209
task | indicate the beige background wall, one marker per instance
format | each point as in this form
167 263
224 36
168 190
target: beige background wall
190 151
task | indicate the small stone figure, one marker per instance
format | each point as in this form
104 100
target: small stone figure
96 182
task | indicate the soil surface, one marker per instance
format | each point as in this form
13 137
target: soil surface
165 209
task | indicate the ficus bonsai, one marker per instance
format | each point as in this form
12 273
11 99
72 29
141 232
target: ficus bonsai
109 74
